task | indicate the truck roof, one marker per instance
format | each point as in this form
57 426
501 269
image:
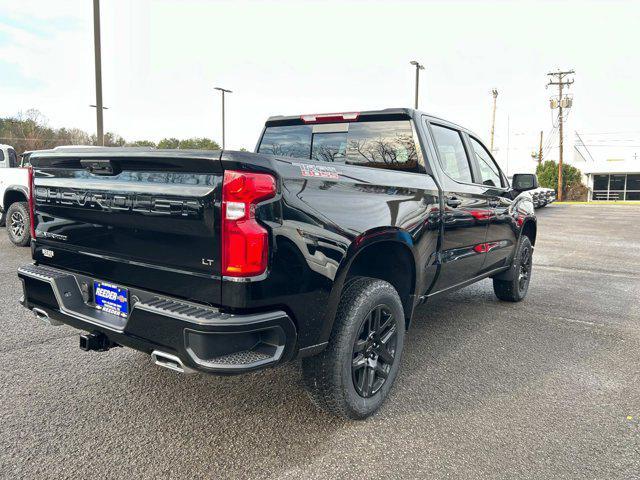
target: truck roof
294 119
384 114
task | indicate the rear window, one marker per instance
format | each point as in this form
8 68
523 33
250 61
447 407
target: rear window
385 144
293 141
13 158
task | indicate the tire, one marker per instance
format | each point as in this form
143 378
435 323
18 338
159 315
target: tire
18 224
352 377
3 216
516 289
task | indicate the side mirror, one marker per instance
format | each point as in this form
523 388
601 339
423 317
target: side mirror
524 181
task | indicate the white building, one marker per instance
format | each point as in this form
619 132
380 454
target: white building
611 166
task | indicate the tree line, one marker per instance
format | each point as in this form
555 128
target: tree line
30 131
572 186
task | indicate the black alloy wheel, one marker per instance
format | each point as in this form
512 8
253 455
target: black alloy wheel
374 351
526 262
352 376
513 285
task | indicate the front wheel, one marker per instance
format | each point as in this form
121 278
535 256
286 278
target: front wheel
18 224
353 376
515 289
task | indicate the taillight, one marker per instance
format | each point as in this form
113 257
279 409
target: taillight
32 225
245 243
330 117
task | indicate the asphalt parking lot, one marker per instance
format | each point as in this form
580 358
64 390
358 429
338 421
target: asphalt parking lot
548 388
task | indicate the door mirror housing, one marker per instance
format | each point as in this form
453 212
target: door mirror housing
524 181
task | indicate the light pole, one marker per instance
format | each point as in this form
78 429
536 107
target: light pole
98 65
494 92
418 68
223 91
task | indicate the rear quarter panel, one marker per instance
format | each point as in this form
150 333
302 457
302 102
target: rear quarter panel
322 216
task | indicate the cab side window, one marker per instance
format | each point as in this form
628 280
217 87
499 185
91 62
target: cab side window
489 171
453 155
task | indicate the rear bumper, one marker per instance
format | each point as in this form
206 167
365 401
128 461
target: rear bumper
201 337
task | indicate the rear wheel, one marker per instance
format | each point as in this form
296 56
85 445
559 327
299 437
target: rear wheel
18 224
516 288
353 376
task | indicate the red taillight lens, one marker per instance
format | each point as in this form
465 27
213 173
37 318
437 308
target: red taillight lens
330 117
245 243
32 225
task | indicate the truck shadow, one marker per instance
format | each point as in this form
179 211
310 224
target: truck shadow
468 348
458 355
265 420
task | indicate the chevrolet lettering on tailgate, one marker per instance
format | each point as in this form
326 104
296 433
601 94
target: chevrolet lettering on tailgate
118 202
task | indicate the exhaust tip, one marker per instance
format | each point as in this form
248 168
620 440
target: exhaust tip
169 361
44 317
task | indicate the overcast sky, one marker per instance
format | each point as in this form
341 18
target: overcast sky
162 58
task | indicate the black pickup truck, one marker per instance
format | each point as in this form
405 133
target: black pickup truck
319 246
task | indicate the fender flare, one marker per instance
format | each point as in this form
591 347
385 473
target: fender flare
14 188
512 271
356 247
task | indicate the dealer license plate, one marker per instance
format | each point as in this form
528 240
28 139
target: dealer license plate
111 299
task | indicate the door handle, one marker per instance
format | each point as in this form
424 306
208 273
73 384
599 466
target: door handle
454 202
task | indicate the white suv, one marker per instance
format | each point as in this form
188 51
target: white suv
14 195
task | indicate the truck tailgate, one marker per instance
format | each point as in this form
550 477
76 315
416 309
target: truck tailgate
147 219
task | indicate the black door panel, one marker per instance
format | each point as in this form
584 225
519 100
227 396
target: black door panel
465 228
501 231
501 235
466 211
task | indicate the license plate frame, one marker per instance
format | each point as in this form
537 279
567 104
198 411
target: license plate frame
111 299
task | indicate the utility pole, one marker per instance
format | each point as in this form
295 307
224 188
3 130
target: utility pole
223 91
560 81
98 64
418 68
540 151
493 117
508 141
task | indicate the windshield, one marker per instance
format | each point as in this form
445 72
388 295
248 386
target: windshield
385 144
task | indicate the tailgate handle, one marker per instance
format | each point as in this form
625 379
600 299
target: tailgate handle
99 167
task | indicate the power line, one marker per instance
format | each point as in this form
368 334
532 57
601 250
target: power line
554 127
608 145
583 145
553 145
611 133
549 142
